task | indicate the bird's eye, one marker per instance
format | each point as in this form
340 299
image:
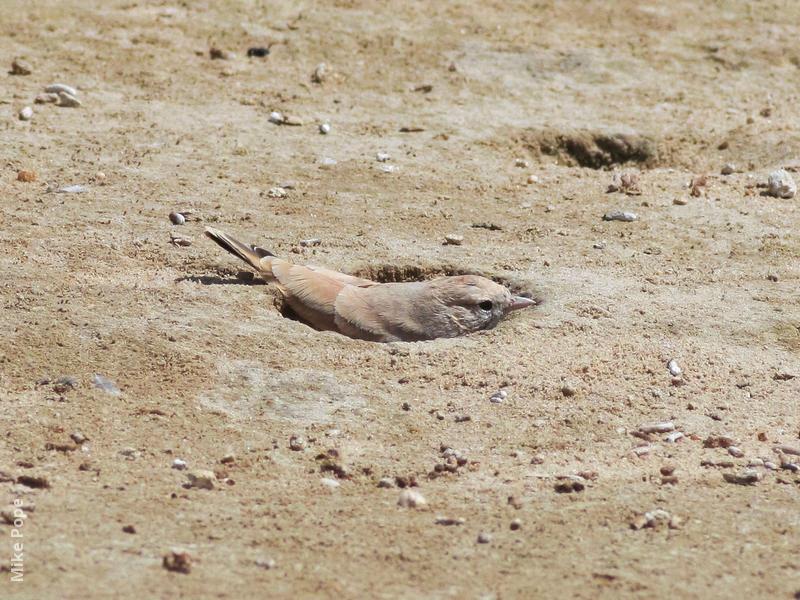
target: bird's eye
485 305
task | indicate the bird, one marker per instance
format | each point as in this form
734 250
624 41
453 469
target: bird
359 308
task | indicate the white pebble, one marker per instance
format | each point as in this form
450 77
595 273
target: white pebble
498 396
68 100
310 242
620 215
329 483
70 189
56 88
26 114
327 162
386 482
521 163
179 464
276 117
78 437
202 479
411 499
484 537
387 168
735 451
324 129
276 192
533 179
641 450
674 436
177 218
448 521
674 368
781 184
451 239
382 157
665 427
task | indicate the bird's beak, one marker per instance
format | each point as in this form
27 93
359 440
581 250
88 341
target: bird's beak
518 302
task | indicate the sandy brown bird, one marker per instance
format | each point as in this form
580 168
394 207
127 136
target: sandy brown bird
380 312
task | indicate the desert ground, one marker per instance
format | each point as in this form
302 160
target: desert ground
167 433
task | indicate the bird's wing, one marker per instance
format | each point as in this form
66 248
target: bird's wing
312 295
342 277
388 312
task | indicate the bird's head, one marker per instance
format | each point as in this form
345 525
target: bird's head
471 303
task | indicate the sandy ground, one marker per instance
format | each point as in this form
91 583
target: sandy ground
209 372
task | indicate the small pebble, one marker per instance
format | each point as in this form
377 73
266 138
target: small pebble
620 215
57 88
179 240
297 443
292 120
674 436
218 54
728 169
641 450
259 52
324 128
462 418
177 561
129 529
515 524
276 117
387 168
265 563
674 368
227 459
411 499
46 98
320 73
452 239
533 179
179 464
276 192
521 163
68 100
130 452
781 185
735 451
70 189
382 157
106 385
177 218
327 162
747 477
484 537
600 245
768 464
20 67
310 242
26 114
680 201
498 396
202 479
99 176
26 176
329 483
665 427
787 449
78 438
386 482
449 521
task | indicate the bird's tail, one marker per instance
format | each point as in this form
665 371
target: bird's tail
250 254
